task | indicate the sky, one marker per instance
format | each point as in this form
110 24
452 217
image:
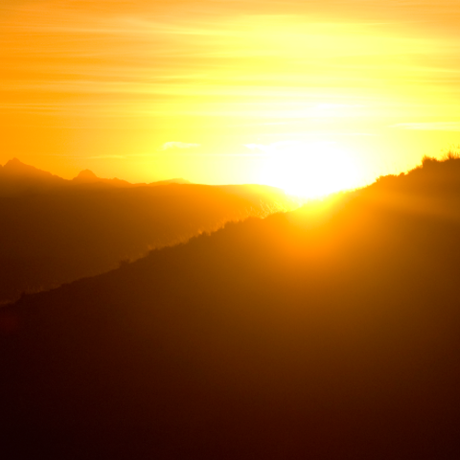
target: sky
309 96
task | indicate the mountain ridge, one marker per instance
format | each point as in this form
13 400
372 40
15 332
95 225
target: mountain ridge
52 235
321 334
17 167
17 177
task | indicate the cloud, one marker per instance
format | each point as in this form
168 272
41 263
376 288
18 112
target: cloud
91 157
179 145
431 126
104 157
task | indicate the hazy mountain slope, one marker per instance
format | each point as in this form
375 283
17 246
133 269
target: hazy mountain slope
59 236
304 335
87 179
170 181
271 199
19 178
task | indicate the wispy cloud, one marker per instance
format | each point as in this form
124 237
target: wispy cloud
137 59
178 145
104 157
431 126
280 69
89 157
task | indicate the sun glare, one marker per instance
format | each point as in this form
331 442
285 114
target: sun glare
309 170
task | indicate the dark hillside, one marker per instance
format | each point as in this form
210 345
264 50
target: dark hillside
328 334
58 236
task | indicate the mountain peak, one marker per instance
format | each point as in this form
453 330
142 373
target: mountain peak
18 168
86 176
14 161
15 164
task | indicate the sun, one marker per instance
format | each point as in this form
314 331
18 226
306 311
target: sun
309 170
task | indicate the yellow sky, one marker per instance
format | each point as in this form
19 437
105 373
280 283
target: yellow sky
229 91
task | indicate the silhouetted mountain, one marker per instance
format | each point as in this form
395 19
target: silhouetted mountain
87 178
66 233
19 178
327 333
15 167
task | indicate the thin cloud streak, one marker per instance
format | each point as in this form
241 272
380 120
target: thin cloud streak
245 56
431 126
178 145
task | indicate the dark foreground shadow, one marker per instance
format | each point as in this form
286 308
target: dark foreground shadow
328 334
55 231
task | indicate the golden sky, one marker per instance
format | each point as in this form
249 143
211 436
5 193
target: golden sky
279 92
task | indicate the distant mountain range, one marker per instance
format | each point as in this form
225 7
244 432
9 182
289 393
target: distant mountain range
328 333
55 231
19 178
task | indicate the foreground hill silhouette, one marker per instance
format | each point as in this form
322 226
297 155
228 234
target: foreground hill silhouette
327 333
55 231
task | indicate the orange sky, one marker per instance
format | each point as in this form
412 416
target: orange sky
216 91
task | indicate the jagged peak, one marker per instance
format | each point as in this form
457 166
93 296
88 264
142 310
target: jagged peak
14 161
17 167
